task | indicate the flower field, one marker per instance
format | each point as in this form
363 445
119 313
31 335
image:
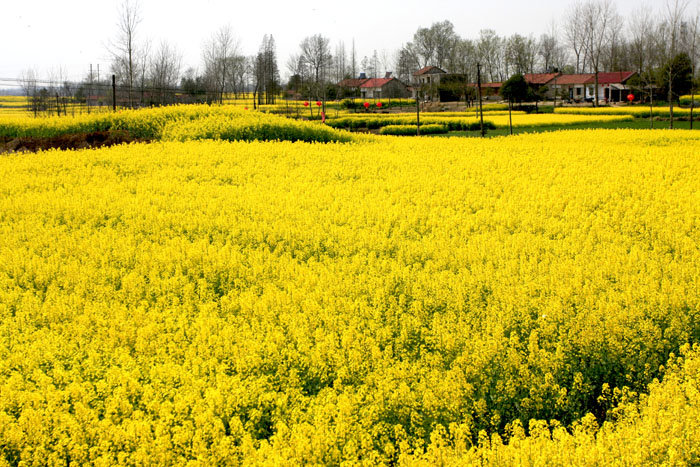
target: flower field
467 121
637 111
371 300
178 123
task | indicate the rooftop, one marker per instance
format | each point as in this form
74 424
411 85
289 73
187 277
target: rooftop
429 70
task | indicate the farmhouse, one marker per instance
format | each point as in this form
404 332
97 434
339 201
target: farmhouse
573 87
382 88
350 87
427 80
539 80
612 86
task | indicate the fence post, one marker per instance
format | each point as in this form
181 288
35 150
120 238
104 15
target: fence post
114 93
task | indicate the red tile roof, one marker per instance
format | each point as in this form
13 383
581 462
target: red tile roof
611 77
428 70
581 78
540 78
353 82
375 82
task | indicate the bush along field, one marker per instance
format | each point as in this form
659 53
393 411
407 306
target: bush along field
178 123
412 301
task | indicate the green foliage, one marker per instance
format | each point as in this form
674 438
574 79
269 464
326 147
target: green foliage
515 89
679 73
410 130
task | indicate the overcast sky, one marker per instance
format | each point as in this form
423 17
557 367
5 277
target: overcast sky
45 35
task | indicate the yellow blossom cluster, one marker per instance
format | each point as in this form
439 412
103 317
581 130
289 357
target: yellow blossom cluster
183 122
467 121
638 111
391 300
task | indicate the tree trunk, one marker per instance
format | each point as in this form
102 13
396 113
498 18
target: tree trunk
510 116
595 91
670 98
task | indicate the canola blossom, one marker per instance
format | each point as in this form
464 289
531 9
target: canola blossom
386 301
180 123
469 122
638 111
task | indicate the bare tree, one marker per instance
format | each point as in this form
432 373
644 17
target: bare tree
404 64
616 44
353 61
597 21
220 55
693 31
28 82
490 50
340 68
520 54
164 72
643 50
316 56
434 45
575 34
547 50
124 48
671 28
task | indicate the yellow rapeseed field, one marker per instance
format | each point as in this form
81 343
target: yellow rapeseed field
639 111
382 301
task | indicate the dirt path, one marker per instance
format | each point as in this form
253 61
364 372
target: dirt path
96 139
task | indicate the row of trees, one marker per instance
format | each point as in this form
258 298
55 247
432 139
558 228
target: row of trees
594 37
226 69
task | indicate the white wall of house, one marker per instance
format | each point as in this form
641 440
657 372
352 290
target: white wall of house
371 93
575 91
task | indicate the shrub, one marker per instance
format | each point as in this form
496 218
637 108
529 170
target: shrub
409 130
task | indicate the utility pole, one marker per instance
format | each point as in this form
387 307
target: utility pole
114 93
417 113
481 104
89 89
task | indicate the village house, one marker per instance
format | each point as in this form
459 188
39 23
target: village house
427 80
373 88
612 86
383 88
539 80
573 87
350 87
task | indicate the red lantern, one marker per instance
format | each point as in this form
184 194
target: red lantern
318 103
306 103
379 104
366 104
630 97
245 108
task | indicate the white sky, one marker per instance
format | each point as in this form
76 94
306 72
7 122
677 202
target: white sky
45 35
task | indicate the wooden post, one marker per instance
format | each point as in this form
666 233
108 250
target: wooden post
114 93
651 106
510 116
481 104
692 98
417 114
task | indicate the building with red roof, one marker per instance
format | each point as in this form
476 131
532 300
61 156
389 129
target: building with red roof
539 79
383 88
612 86
427 80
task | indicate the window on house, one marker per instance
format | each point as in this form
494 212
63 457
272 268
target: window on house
578 91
